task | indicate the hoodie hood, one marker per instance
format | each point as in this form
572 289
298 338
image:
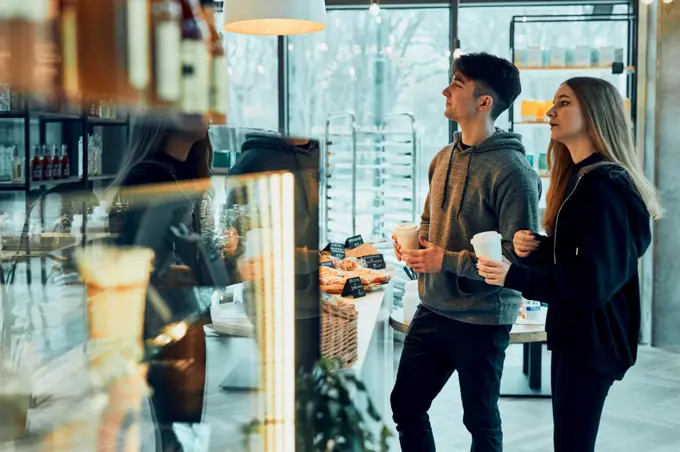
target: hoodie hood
263 142
499 141
638 215
461 159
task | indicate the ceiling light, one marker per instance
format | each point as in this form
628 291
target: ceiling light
274 18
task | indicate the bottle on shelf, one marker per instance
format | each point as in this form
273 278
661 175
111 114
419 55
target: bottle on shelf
56 163
96 152
195 60
17 165
167 46
46 163
112 50
65 164
219 74
36 164
80 158
4 164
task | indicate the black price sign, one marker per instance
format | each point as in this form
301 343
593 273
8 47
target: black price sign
354 242
336 250
353 288
375 261
328 264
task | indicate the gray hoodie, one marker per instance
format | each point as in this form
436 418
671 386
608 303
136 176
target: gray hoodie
489 187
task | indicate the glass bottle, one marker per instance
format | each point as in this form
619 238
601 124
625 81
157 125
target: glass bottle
195 60
4 166
68 33
17 165
65 163
46 163
167 45
219 74
29 34
36 164
56 163
113 48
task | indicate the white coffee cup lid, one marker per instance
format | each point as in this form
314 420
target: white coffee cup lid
406 227
487 235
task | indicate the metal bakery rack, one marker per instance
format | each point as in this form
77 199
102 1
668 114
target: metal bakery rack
369 182
369 177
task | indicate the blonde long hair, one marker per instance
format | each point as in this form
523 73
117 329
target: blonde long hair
610 130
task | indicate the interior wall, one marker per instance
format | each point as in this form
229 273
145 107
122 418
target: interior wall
662 140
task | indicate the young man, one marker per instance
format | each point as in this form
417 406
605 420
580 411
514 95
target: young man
480 182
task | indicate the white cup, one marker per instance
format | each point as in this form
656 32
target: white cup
488 245
258 241
407 236
411 287
410 301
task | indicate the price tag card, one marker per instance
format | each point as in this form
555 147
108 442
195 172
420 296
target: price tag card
336 250
375 261
353 288
328 264
354 242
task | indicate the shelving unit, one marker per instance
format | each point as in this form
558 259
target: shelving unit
622 69
36 190
369 175
626 69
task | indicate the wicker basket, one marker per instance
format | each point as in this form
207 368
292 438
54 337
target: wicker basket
339 337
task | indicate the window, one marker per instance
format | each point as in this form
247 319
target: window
374 66
253 88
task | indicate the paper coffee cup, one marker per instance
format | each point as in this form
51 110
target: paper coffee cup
116 281
488 245
407 236
410 302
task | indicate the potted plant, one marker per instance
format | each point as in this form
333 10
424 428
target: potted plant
328 415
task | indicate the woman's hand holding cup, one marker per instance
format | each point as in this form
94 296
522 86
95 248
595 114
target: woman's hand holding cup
230 241
525 243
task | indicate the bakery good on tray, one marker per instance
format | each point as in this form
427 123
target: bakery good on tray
361 251
333 280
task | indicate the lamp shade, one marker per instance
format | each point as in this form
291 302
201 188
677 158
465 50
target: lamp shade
274 17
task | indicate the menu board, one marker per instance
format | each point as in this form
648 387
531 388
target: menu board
336 250
353 288
375 261
354 242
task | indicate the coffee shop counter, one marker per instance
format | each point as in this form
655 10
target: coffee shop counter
53 321
233 368
375 364
375 350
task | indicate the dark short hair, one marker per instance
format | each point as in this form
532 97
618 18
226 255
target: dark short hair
493 76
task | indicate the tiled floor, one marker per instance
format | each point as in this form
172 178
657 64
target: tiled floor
642 413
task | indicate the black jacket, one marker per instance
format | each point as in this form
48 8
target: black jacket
265 152
587 271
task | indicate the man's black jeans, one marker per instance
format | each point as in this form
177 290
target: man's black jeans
434 348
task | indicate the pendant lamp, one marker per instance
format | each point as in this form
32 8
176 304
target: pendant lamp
274 17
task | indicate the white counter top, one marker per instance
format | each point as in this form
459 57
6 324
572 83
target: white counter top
368 308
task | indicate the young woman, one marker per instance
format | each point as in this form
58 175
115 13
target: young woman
164 152
597 221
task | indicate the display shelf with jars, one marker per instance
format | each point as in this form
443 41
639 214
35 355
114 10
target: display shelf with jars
547 60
